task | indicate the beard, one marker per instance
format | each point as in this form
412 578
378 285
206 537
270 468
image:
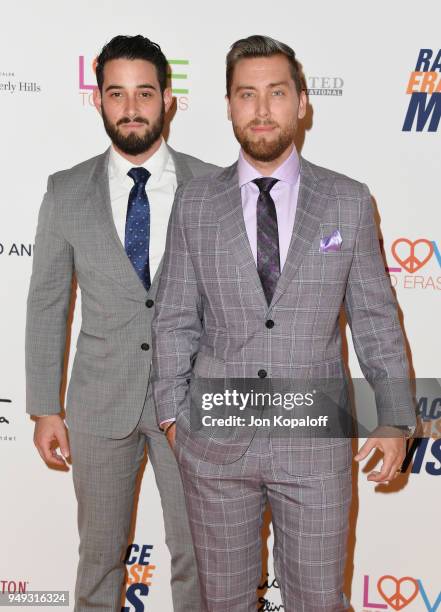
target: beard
263 150
132 144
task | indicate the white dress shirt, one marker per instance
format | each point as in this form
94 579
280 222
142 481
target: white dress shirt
160 188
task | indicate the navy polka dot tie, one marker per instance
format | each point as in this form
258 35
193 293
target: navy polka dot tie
137 236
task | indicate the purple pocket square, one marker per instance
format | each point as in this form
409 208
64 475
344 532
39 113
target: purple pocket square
331 242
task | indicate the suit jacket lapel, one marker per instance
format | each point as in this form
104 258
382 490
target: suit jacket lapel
123 271
306 225
183 174
119 264
228 204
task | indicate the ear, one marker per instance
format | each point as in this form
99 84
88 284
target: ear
97 100
168 98
227 100
303 102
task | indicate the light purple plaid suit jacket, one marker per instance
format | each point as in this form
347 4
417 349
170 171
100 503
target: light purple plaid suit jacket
211 309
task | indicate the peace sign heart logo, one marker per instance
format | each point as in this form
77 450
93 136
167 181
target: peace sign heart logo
412 255
393 593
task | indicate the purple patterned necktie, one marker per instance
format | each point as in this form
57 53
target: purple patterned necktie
268 255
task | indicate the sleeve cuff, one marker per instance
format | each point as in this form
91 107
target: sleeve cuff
162 423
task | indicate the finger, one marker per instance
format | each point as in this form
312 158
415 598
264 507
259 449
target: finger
53 459
365 450
392 461
385 474
45 449
374 476
63 442
171 439
379 476
385 481
171 433
57 459
395 470
40 452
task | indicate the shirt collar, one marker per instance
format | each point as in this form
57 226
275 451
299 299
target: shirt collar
287 172
156 164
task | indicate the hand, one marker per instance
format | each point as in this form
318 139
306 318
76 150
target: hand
394 451
50 432
171 435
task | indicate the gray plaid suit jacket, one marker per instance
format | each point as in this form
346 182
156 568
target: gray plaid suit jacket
76 235
211 309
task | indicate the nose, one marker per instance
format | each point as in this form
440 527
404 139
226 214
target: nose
131 108
263 109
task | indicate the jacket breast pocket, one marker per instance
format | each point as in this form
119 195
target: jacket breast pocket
92 345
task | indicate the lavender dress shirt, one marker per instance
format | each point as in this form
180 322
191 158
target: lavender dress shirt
284 193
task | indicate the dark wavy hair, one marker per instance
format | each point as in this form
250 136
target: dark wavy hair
133 47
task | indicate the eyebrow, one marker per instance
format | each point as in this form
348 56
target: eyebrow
240 87
270 85
279 84
142 86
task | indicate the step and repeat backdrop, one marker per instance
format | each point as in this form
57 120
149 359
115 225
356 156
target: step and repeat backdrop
374 78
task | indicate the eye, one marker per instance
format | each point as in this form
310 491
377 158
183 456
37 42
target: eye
247 94
116 94
146 94
278 92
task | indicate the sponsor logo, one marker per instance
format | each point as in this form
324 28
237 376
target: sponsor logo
412 256
18 249
389 592
269 599
8 586
421 453
268 593
324 86
424 88
139 576
424 454
10 84
429 411
4 421
178 77
179 87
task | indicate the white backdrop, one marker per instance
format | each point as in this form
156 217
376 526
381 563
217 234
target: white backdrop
358 58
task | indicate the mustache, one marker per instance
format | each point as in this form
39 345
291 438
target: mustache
259 123
135 119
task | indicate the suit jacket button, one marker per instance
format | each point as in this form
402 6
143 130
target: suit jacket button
149 303
145 346
261 373
269 324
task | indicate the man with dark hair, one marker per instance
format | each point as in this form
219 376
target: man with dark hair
133 47
104 221
259 260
